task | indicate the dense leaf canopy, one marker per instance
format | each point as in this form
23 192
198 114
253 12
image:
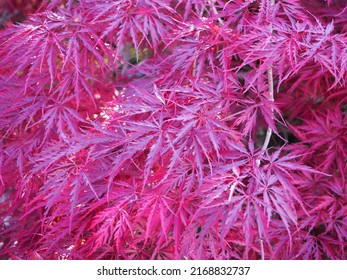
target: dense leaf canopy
183 129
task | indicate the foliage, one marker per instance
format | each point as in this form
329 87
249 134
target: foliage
173 129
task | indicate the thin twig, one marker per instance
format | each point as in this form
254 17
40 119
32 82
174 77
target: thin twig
214 9
271 98
268 132
262 251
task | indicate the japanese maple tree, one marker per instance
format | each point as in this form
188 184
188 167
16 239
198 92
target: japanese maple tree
173 129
